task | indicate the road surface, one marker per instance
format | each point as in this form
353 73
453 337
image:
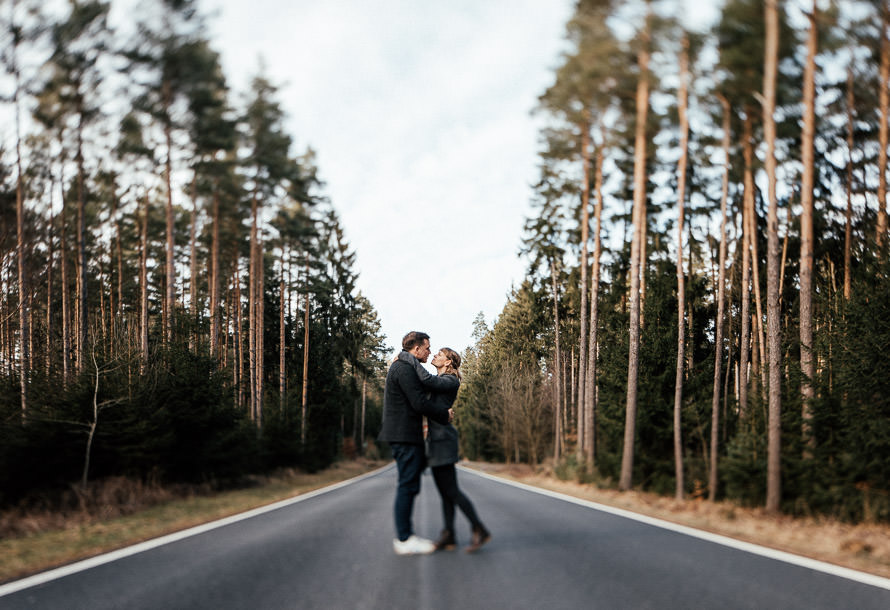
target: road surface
334 550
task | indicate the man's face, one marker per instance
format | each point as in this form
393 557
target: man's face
422 352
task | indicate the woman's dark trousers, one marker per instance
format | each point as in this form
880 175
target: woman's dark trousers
446 482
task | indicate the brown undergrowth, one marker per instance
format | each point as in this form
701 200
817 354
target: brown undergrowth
863 546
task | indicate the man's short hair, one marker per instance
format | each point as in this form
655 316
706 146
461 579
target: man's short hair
413 339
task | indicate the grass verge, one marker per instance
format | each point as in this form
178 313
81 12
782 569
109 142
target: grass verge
864 546
82 537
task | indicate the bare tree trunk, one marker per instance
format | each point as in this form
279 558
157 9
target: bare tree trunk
585 229
806 236
117 304
260 328
305 413
591 385
143 287
24 311
558 431
237 339
92 428
745 339
719 322
774 438
252 315
120 266
66 304
82 317
848 226
681 280
214 280
636 260
784 257
51 259
193 268
755 272
282 336
102 311
884 102
170 299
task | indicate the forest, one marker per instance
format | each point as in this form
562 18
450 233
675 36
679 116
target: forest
179 299
706 308
705 312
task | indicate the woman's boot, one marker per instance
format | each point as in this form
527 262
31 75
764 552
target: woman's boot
446 541
480 537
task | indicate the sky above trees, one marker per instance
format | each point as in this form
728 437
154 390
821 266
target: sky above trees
420 117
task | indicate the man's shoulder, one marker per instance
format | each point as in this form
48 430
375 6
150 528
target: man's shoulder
397 369
397 366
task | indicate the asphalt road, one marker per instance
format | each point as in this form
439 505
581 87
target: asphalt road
334 550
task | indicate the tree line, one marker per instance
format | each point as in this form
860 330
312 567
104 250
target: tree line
704 312
179 297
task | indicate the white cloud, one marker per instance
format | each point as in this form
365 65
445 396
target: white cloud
419 113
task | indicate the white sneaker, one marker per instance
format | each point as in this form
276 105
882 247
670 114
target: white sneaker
414 545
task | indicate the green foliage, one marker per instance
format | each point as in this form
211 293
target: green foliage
171 404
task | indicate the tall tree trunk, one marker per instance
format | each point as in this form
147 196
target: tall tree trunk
636 262
66 303
755 273
719 322
120 266
143 287
774 438
82 317
170 299
745 340
51 259
260 328
117 307
282 343
884 102
848 225
304 401
557 375
681 280
585 230
252 309
806 234
238 339
214 280
24 313
593 341
193 268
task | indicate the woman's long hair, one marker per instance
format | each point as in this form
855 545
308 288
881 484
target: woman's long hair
454 357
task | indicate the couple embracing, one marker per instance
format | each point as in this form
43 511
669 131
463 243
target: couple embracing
411 393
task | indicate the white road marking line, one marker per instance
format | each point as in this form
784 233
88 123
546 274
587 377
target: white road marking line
756 549
98 560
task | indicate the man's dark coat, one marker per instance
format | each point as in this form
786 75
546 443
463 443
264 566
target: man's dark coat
405 402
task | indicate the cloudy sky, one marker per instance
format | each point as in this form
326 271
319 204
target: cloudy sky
419 113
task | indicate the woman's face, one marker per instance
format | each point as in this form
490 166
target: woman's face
440 360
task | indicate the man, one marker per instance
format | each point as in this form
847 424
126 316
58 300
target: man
404 405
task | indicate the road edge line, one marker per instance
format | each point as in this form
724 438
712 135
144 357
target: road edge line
749 547
85 564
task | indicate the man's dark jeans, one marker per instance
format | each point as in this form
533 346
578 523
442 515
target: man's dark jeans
410 461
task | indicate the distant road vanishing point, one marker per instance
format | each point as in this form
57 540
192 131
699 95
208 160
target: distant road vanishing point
332 549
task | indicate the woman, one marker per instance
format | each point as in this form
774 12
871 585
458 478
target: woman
442 449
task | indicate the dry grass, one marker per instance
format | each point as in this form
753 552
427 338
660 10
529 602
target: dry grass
119 513
864 547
